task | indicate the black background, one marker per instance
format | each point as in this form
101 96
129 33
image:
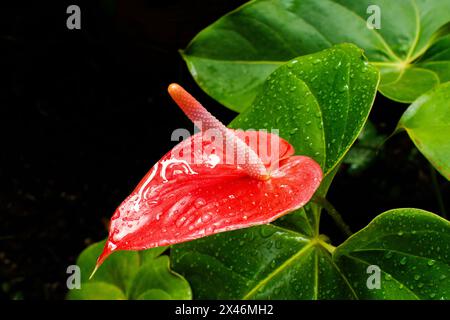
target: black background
85 114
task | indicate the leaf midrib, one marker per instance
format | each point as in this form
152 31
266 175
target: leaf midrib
311 245
313 242
388 48
279 269
331 260
394 57
417 35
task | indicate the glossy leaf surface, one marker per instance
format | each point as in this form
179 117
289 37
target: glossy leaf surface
427 122
412 249
410 246
319 103
231 58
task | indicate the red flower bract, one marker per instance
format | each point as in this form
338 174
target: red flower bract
198 189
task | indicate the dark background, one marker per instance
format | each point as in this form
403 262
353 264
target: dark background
85 114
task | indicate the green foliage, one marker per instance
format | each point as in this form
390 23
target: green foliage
412 249
427 122
319 103
231 58
273 262
289 65
144 275
410 246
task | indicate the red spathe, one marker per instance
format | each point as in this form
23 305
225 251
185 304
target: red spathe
185 198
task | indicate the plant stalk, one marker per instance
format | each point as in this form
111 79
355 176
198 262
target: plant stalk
334 214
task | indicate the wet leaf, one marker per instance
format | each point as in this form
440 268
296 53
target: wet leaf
427 122
266 262
319 103
410 246
231 58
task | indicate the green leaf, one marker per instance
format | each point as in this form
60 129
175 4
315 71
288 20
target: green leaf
266 262
231 58
319 103
156 280
410 246
155 294
97 291
437 58
427 121
150 255
302 220
129 275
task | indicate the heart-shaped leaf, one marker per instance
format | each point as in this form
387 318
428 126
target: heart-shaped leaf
409 246
437 58
427 122
129 275
319 103
231 58
266 262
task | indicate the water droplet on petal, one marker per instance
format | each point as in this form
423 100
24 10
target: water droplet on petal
199 203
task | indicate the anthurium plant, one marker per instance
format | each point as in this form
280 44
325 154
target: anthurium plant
234 211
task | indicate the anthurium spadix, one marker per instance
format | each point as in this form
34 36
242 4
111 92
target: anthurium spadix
216 180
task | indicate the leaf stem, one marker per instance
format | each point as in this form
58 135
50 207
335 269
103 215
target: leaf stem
330 248
334 214
437 191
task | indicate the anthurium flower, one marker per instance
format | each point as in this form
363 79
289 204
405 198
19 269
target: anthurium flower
217 180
